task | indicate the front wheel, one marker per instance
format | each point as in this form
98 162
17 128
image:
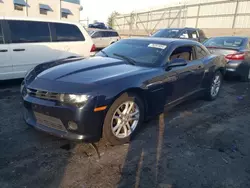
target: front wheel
123 119
215 86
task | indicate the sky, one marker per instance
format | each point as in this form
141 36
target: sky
101 9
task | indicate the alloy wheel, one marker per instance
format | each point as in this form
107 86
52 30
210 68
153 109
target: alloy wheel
215 85
125 119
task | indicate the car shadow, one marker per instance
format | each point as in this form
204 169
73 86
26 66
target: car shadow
147 155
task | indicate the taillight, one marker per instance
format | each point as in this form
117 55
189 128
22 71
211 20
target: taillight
237 56
93 48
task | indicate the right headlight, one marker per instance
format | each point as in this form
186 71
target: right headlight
74 99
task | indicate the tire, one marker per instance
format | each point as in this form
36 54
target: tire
246 75
110 129
210 95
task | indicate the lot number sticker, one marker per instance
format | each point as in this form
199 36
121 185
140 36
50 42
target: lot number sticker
160 46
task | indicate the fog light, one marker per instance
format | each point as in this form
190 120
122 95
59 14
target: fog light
72 126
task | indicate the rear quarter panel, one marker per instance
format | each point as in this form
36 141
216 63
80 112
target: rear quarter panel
213 63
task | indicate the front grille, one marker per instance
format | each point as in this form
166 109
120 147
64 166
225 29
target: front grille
49 121
43 94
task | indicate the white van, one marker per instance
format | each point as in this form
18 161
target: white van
26 42
103 37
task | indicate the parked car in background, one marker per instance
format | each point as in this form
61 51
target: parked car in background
184 33
98 25
110 95
25 43
236 50
103 38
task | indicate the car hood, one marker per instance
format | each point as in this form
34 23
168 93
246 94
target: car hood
89 71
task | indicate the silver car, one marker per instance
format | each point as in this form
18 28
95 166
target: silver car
103 37
236 50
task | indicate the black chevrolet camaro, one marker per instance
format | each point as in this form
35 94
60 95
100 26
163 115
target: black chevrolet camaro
111 94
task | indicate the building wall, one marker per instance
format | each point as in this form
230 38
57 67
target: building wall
74 9
231 16
33 9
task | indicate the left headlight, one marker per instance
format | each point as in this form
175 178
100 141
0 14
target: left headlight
74 99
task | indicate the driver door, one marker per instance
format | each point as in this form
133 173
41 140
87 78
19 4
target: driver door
189 76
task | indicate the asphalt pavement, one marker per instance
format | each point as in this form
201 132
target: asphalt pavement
197 144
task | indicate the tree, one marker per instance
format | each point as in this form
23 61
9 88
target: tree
111 19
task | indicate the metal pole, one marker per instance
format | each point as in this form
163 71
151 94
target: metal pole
169 18
198 15
60 12
179 20
26 8
235 13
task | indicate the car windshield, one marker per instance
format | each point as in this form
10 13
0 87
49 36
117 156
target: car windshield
142 52
225 42
167 33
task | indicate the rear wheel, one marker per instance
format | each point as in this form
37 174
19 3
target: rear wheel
123 119
215 86
246 76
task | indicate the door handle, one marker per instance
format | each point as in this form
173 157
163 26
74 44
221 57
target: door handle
3 50
18 50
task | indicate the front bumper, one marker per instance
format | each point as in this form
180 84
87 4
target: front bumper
55 118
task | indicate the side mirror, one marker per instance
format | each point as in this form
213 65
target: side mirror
177 62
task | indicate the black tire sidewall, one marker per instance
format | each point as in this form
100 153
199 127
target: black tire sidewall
107 131
244 70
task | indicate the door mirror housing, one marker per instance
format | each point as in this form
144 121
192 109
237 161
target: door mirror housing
177 63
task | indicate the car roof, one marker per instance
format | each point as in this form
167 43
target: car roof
182 28
164 40
36 19
96 29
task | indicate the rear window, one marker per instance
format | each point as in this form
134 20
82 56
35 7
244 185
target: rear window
1 34
28 31
143 52
114 34
225 42
68 32
109 34
167 33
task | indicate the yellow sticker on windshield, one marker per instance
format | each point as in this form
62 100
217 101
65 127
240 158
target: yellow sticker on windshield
160 46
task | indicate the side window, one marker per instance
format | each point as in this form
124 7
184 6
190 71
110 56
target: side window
200 53
29 31
106 34
184 35
183 52
193 34
97 35
68 32
1 34
115 34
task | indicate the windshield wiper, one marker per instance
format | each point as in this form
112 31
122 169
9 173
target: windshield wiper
128 59
104 53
